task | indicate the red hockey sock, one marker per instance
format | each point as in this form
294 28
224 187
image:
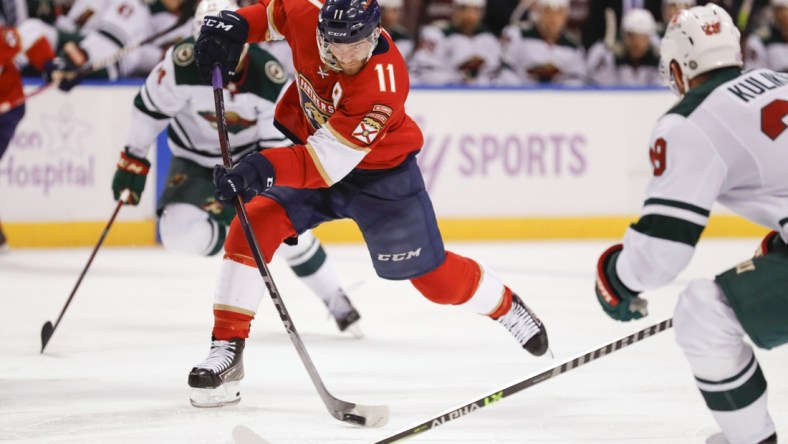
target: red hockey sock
230 325
453 282
506 304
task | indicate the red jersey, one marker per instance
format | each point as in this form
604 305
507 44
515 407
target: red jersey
11 45
344 122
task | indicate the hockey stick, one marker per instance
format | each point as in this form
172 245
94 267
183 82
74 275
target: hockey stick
363 415
523 384
48 329
91 67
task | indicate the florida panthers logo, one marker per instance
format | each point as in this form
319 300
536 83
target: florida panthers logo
316 109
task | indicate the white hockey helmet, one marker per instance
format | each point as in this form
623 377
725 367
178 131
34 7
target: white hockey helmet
553 4
639 21
688 3
475 3
699 39
391 3
210 7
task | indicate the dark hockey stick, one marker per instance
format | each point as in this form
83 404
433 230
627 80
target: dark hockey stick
363 415
91 67
511 389
48 329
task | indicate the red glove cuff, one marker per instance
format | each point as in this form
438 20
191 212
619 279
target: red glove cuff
603 284
133 165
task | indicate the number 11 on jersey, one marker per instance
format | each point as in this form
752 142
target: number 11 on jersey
382 77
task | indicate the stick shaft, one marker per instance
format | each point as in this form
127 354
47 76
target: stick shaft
523 384
87 266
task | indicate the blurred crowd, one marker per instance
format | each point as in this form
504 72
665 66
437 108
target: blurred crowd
445 42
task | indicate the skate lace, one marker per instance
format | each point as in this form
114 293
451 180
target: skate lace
520 323
220 357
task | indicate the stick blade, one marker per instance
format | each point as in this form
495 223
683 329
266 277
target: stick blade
245 435
364 415
46 333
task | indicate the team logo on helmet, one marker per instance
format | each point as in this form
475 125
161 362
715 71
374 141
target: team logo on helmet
711 28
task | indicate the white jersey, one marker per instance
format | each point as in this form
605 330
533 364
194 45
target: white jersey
530 59
447 56
767 49
127 22
726 142
612 67
174 97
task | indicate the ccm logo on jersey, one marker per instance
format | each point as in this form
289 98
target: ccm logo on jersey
211 23
396 257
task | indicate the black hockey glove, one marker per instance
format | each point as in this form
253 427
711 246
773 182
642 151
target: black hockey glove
60 70
618 301
221 42
250 177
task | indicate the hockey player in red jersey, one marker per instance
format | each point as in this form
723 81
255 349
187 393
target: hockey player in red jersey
723 142
354 157
12 51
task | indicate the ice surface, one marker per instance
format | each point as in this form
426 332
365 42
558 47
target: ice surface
115 369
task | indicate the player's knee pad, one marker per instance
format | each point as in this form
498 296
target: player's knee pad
708 331
462 281
187 229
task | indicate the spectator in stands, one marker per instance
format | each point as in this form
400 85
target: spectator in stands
669 9
633 60
542 52
596 24
462 51
768 47
98 30
390 14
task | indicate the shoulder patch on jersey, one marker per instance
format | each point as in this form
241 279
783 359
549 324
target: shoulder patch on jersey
275 71
367 130
382 109
183 54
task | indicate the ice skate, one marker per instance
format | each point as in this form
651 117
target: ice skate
345 315
719 438
215 381
526 327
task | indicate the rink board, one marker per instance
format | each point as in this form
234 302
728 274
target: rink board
498 163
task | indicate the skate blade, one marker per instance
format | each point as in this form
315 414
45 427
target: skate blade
226 394
354 330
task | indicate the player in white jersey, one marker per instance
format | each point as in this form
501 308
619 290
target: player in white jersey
768 48
725 142
104 27
633 61
191 221
544 52
463 51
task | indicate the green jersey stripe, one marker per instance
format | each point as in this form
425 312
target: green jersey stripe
669 228
677 204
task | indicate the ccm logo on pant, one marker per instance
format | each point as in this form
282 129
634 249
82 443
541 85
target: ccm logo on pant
399 256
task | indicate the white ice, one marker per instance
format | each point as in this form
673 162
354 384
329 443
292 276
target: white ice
115 369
